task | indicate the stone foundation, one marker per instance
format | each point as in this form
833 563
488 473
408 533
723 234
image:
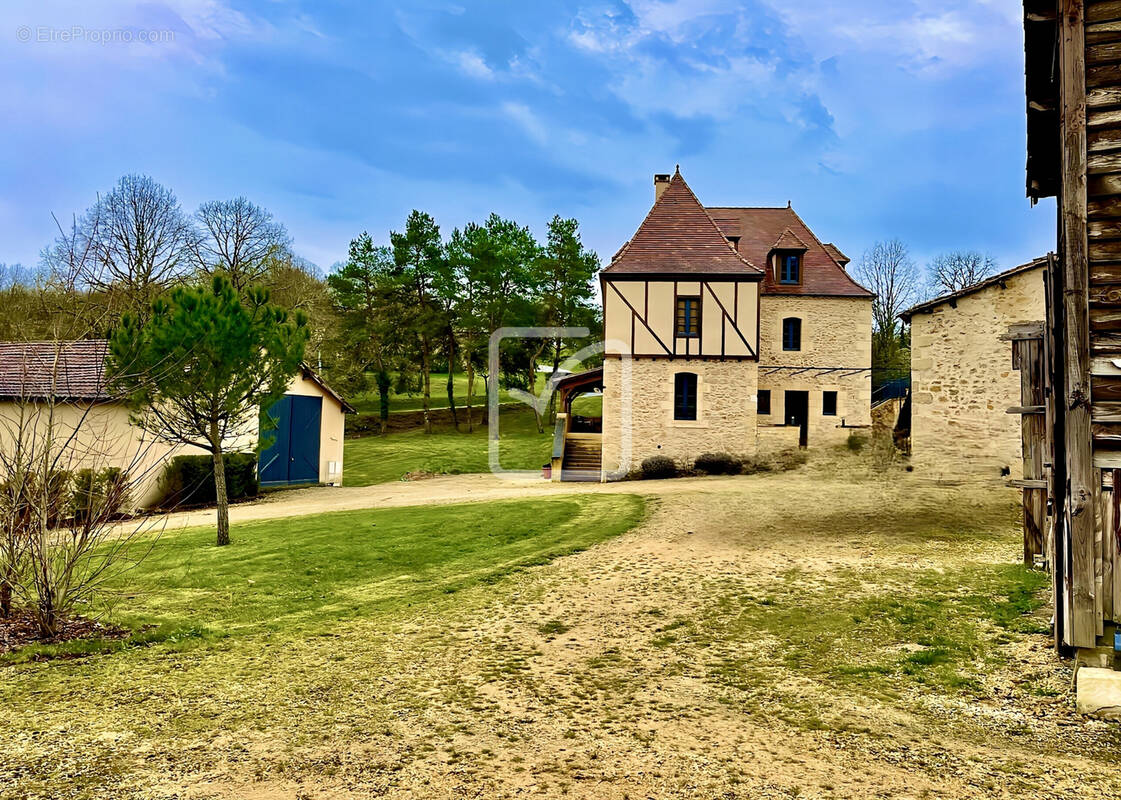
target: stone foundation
726 398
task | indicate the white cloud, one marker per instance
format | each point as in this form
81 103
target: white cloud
472 64
527 120
959 35
703 78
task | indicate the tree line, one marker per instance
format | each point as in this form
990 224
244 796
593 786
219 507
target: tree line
420 298
385 319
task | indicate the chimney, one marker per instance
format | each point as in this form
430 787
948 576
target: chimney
661 183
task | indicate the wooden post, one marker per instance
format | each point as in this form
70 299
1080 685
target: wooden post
1028 358
1081 510
1058 550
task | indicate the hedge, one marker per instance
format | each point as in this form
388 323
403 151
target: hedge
189 480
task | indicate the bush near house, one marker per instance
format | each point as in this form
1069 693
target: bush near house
189 480
98 493
68 496
718 464
659 467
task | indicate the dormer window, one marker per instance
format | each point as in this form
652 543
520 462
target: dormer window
790 268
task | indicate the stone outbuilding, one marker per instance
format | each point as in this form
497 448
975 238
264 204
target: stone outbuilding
962 379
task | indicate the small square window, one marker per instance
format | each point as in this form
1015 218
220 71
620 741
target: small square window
829 404
764 408
689 317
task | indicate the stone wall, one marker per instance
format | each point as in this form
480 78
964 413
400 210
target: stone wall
836 332
773 439
726 397
962 382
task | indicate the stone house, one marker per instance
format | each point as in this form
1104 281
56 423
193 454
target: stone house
56 392
962 380
726 329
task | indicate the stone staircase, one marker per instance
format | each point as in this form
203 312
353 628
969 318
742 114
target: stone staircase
583 456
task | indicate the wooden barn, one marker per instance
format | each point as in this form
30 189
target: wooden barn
1073 85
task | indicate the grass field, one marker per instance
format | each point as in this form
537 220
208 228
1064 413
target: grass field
842 630
370 403
378 459
232 639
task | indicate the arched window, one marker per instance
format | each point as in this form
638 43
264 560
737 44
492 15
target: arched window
792 333
685 395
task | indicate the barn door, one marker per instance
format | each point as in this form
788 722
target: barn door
293 453
272 463
303 456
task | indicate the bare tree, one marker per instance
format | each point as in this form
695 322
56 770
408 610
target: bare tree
952 272
131 246
65 477
888 270
240 240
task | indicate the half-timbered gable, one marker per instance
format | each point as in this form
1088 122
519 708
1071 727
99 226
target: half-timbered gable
678 288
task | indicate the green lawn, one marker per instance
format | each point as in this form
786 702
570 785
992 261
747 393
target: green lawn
300 572
378 459
232 641
370 403
306 573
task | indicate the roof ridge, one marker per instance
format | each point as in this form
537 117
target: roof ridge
975 287
711 221
677 176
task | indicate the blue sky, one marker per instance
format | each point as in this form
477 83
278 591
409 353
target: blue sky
877 119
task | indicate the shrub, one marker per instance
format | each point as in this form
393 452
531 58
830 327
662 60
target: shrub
718 464
757 464
659 467
99 493
22 497
189 480
856 442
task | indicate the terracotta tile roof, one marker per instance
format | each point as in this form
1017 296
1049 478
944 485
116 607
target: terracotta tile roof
62 370
760 229
836 253
679 237
789 241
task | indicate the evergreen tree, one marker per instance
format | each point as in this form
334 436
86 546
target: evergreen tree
203 365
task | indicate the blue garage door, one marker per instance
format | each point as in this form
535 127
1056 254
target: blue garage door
293 452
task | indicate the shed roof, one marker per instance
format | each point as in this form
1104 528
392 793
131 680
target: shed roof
75 371
994 280
1041 89
60 370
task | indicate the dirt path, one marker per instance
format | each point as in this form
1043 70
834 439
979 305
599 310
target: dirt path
443 490
697 656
